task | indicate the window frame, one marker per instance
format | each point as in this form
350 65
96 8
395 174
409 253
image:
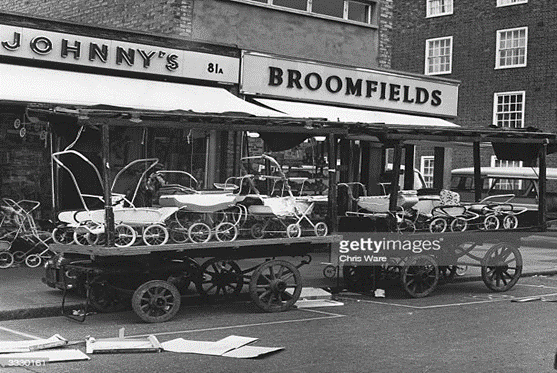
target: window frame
515 184
428 12
373 11
500 4
423 160
426 64
523 111
497 50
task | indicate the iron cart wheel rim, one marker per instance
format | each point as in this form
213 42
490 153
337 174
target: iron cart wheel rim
420 276
220 278
501 267
275 286
156 301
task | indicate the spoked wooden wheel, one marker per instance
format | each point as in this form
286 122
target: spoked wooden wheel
156 301
199 232
220 278
226 232
510 221
6 259
124 235
155 234
501 267
105 298
459 225
62 235
420 275
438 225
275 286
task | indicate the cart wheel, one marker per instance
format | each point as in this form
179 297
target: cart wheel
19 256
124 235
226 232
33 261
321 229
420 276
501 267
156 301
438 225
178 233
447 274
459 225
6 259
491 223
106 299
220 278
294 231
257 231
62 236
155 234
199 232
510 222
275 286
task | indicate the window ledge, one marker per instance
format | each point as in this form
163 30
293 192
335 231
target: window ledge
439 15
307 14
509 67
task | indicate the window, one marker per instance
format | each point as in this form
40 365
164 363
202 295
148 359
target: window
426 168
436 8
505 184
438 56
364 11
510 2
508 109
511 48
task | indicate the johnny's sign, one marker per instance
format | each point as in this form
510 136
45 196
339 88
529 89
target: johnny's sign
270 76
27 43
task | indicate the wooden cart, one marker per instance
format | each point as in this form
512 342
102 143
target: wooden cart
152 276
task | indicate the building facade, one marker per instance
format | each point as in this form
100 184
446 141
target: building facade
502 51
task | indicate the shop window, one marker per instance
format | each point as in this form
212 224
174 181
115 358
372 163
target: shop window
508 109
510 2
364 11
511 48
439 56
437 8
426 167
505 184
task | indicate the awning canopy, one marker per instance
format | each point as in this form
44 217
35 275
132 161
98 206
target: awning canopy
39 85
341 114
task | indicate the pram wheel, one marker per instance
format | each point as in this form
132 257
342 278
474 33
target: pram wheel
124 235
491 223
438 225
19 256
510 222
459 225
257 230
178 233
226 232
199 232
81 237
321 229
33 261
155 235
294 231
6 259
62 236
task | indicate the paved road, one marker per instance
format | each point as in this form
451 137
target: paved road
461 327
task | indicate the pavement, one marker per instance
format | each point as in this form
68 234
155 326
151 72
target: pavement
23 294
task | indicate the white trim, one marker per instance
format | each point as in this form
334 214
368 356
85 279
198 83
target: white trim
374 23
429 15
497 94
498 40
426 65
499 5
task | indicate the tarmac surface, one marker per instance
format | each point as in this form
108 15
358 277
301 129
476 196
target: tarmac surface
24 295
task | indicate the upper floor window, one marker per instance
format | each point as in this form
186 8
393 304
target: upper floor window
511 48
510 2
362 11
439 8
438 56
508 109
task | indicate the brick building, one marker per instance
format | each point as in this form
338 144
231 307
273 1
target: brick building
502 51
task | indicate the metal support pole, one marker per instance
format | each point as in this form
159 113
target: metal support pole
409 166
438 167
542 204
332 208
477 172
109 212
396 176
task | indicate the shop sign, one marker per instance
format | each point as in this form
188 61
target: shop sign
27 43
271 76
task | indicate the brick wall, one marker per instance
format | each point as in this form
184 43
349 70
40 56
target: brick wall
385 34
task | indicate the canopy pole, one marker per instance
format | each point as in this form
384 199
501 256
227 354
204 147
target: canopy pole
477 172
332 208
542 205
109 212
396 176
409 151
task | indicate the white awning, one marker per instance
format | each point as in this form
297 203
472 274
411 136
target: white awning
37 85
340 114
